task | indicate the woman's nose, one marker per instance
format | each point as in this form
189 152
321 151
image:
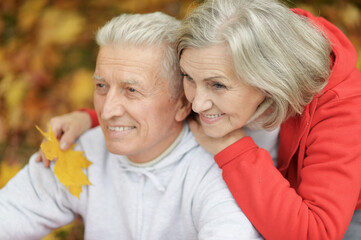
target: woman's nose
201 102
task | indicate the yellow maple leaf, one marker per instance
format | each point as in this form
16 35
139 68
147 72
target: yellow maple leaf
50 146
69 164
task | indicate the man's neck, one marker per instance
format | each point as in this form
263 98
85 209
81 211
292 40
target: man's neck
163 154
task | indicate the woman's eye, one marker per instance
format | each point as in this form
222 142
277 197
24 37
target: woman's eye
186 76
219 85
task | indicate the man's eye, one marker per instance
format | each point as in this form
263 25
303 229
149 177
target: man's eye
101 88
131 90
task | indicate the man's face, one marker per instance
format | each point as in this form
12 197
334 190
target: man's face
135 110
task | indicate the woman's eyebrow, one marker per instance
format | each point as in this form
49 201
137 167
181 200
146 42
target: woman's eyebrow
214 77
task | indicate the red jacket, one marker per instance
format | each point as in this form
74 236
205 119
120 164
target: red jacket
315 188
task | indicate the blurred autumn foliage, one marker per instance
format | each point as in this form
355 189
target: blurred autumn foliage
47 56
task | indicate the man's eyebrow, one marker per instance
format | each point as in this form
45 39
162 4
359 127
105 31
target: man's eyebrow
131 82
126 81
96 77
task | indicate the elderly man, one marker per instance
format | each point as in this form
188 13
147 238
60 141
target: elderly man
150 179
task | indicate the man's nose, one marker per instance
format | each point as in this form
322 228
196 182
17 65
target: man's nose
113 105
201 101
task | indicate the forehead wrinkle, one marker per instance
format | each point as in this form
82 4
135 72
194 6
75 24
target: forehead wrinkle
124 62
213 74
209 68
148 73
126 65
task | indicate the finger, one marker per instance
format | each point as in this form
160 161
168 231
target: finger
43 159
66 140
38 157
58 126
46 163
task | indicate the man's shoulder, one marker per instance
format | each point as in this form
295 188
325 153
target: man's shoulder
92 143
200 156
194 154
201 166
94 134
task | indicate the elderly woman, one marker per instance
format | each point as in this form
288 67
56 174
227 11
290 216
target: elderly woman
258 64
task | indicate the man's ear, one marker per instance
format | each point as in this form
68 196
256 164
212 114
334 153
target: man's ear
183 108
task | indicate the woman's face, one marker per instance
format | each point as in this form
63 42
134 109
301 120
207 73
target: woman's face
222 101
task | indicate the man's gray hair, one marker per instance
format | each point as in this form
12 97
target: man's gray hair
153 29
273 49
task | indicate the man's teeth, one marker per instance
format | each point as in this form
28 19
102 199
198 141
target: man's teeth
212 115
119 129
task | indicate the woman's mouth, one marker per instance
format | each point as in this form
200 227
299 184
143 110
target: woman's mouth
211 118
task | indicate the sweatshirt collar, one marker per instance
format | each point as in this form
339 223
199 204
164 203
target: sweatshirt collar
174 153
162 155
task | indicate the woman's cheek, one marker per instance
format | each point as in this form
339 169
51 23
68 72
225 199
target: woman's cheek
189 90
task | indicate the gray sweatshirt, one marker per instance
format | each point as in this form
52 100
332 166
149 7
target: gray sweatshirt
182 196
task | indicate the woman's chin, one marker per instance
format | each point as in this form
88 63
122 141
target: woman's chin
214 133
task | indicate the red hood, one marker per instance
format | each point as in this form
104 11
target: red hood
344 52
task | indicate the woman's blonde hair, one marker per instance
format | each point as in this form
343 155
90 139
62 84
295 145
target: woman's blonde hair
274 50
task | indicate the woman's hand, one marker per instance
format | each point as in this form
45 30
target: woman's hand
214 145
67 128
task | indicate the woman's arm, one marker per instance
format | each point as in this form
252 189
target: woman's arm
317 192
93 116
69 127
